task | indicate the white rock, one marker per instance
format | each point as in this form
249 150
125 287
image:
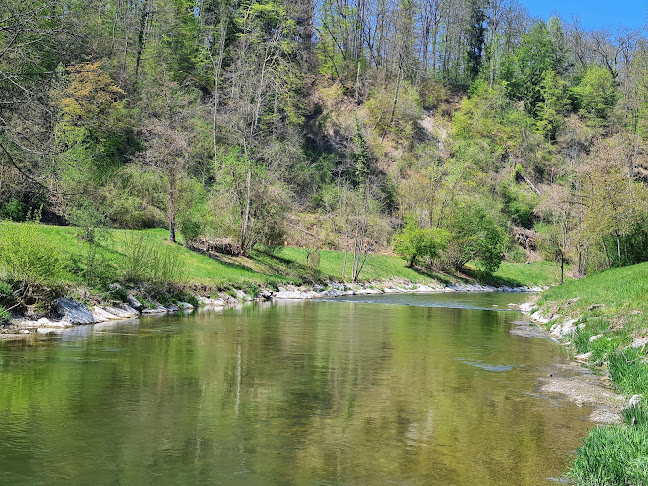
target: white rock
584 358
98 312
594 338
639 342
635 400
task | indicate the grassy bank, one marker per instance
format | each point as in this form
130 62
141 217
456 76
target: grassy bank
612 308
112 258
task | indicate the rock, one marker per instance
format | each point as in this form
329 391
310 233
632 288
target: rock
172 308
595 306
158 309
583 358
73 312
568 328
634 401
122 313
134 303
526 307
207 302
185 305
102 315
639 342
115 286
129 309
265 295
594 338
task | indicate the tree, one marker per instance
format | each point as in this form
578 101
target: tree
558 208
474 235
168 137
413 242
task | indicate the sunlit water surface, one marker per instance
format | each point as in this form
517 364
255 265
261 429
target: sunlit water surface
388 389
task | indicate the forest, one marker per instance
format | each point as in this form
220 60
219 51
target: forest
448 131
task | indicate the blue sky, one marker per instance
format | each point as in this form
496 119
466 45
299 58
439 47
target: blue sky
593 14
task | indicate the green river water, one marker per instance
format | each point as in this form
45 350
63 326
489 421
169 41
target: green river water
380 390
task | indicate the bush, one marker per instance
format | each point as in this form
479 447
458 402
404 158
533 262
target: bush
26 256
190 229
413 242
14 210
474 235
4 315
146 262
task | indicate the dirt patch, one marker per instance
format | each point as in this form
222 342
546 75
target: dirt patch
582 387
576 383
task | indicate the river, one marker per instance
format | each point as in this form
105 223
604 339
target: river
401 389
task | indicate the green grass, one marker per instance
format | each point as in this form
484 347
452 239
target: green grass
540 274
614 305
288 265
619 289
612 455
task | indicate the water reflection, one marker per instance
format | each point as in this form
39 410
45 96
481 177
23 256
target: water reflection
290 393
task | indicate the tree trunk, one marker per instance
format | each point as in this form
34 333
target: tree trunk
140 37
172 204
217 66
607 253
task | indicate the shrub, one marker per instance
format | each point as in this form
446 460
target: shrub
190 229
14 210
4 315
147 262
413 242
26 256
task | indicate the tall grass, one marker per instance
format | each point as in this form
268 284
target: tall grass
612 455
629 372
26 256
147 261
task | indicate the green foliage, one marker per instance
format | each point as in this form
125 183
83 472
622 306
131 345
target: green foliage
519 204
539 53
612 455
26 256
14 210
191 229
595 95
4 315
552 105
474 235
413 242
636 415
145 261
362 156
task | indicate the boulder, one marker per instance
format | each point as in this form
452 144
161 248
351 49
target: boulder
73 312
127 308
134 303
158 309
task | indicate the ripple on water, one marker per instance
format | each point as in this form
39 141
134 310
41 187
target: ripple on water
486 366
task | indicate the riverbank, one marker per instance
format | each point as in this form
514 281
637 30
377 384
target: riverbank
101 268
67 313
601 319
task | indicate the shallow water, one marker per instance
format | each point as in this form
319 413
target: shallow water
389 389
